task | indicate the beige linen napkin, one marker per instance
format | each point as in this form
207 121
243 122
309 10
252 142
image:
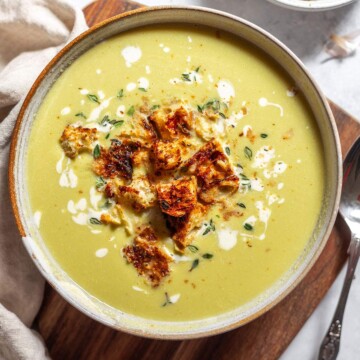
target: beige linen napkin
31 33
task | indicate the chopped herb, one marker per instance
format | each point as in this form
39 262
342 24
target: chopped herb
154 107
106 120
106 204
95 221
81 114
164 204
218 216
210 227
107 136
225 105
239 166
142 89
197 69
264 136
97 151
222 115
193 248
93 98
207 230
200 108
248 153
100 182
131 110
207 256
242 205
248 227
185 77
167 300
117 123
194 264
120 94
227 150
214 104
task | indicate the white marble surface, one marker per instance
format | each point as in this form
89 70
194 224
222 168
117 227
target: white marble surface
305 34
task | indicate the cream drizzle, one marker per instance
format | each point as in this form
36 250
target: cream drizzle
264 102
227 238
131 55
225 90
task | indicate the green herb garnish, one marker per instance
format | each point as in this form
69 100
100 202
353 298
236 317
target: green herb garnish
185 77
167 300
93 98
242 205
131 110
264 136
193 248
97 151
154 107
106 204
142 89
210 227
100 182
248 227
207 256
248 152
227 150
222 115
197 69
81 114
120 94
107 136
200 108
95 221
194 264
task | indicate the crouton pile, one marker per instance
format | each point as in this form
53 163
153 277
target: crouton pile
159 163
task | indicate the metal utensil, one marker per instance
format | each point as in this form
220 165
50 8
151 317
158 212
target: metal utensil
350 211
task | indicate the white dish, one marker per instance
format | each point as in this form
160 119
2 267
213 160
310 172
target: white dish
311 5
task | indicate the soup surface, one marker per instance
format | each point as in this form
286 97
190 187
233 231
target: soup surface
129 206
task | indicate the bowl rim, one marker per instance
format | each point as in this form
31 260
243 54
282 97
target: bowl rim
331 213
311 5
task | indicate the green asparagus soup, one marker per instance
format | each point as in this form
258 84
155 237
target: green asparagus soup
175 172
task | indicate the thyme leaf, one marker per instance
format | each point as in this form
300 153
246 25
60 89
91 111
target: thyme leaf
97 151
167 300
193 248
100 182
131 110
248 153
227 150
242 205
194 264
120 94
264 136
81 114
207 256
95 221
142 89
93 98
248 227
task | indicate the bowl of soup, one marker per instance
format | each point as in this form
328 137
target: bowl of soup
175 172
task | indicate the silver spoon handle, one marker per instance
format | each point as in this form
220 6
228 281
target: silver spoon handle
330 346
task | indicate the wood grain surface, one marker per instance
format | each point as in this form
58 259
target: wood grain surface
71 335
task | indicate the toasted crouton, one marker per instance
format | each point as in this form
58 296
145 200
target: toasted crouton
117 160
216 177
76 139
148 258
140 194
178 197
181 228
172 124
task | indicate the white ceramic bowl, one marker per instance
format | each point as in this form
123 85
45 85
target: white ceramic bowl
312 5
33 240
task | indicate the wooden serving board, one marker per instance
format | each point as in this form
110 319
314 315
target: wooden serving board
70 335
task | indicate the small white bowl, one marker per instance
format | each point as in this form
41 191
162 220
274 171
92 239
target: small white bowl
311 5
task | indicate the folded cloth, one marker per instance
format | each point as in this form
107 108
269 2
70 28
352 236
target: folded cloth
31 33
